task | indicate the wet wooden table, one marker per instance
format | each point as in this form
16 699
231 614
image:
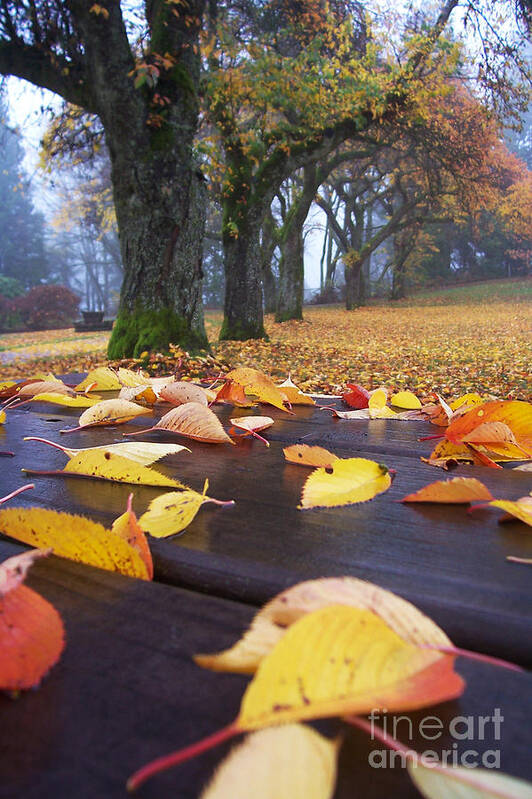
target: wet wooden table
127 690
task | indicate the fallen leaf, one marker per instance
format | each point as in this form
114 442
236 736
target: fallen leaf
179 393
101 379
456 782
335 661
109 412
293 393
131 379
271 622
130 530
377 398
406 400
144 452
174 511
193 421
305 455
103 464
381 412
341 660
13 571
66 400
2 417
32 635
513 413
259 385
73 537
455 491
252 424
234 394
347 481
520 509
357 396
292 761
144 394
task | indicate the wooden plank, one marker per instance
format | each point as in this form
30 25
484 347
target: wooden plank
450 563
126 691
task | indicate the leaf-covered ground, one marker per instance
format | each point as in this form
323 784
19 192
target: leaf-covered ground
474 338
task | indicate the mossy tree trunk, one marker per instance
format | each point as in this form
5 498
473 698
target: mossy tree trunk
160 198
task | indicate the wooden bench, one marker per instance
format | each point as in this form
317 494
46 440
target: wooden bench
127 690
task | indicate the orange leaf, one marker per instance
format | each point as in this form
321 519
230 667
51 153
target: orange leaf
234 394
31 630
260 385
456 491
128 527
513 413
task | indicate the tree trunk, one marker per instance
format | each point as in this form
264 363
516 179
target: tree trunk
243 314
269 287
291 276
352 284
161 227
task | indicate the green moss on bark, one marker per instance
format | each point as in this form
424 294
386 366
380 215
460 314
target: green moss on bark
241 332
152 331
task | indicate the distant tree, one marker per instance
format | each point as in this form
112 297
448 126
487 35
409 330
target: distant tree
23 254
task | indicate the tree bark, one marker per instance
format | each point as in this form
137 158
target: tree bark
161 229
291 276
243 313
352 284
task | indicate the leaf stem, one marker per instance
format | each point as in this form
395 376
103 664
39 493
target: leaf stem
187 753
45 441
470 655
17 491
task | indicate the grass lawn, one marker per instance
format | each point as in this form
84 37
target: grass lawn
467 338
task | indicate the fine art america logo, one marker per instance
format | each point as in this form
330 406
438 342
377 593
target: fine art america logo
473 729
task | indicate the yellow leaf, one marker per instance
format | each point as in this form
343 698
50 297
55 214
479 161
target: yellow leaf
305 455
294 394
292 761
66 400
456 782
381 412
173 512
521 509
2 417
406 400
107 465
455 491
101 379
73 537
258 384
466 400
112 411
271 622
338 661
377 399
128 377
347 481
144 452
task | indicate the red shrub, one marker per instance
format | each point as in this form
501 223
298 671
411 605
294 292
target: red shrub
47 307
